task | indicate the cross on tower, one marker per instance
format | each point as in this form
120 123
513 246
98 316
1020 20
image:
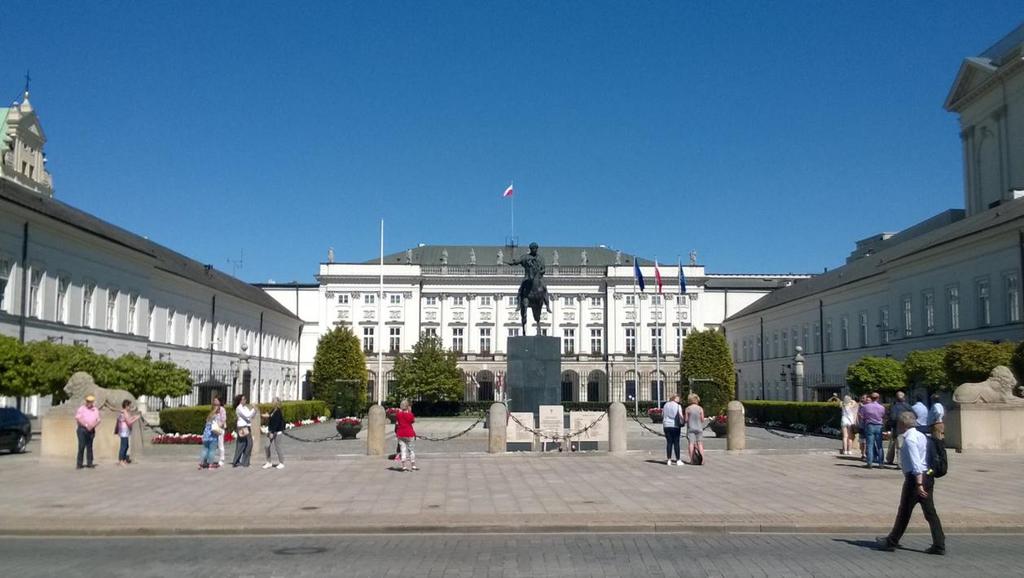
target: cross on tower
28 79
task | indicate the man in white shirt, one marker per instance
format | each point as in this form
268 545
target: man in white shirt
936 415
918 487
920 410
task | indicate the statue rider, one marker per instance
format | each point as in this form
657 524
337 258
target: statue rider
532 290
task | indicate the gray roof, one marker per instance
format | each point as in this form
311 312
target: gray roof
488 255
880 262
1007 45
165 259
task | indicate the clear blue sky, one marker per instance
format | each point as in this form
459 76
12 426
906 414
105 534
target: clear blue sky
769 136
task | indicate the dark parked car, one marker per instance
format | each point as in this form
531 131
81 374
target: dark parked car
15 430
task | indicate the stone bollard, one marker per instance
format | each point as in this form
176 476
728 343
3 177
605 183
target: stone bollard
617 428
375 431
255 435
497 418
736 423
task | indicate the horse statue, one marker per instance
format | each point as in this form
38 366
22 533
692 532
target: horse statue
532 291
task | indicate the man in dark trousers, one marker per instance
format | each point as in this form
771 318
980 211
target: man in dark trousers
895 441
918 488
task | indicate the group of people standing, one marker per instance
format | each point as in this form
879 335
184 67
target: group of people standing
88 418
866 419
215 427
673 419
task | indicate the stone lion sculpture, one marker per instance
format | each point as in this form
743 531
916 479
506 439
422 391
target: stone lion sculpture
998 388
82 384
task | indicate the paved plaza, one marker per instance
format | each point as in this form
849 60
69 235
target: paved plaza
339 491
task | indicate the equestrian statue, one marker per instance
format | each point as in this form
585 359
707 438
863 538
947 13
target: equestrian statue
532 290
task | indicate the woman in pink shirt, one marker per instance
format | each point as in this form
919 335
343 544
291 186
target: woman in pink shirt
125 421
406 434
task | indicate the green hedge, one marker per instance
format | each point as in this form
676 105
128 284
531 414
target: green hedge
812 414
193 419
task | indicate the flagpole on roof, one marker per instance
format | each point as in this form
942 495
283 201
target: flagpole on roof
657 352
380 323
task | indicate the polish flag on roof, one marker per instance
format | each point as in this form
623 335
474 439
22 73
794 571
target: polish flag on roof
508 192
657 276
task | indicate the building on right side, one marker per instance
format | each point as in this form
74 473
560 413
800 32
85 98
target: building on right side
952 277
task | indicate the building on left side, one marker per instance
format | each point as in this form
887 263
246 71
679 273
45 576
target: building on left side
69 277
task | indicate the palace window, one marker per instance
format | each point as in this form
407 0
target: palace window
513 332
806 338
596 342
149 323
458 300
343 299
785 343
656 340
569 341
929 311
862 323
35 295
757 349
485 300
775 344
656 300
828 335
369 298
631 300
457 339
568 300
395 299
883 325
681 299
513 301
485 340
111 310
953 307
62 299
5 278
908 317
680 338
630 340
596 302
816 344
430 332
430 300
170 326
844 332
984 303
368 339
133 305
1012 298
190 336
394 339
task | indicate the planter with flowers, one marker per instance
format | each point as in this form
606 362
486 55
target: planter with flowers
392 414
719 425
348 427
655 414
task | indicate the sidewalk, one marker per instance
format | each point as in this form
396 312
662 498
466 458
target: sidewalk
505 493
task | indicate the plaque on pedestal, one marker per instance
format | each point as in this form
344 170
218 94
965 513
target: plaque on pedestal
517 437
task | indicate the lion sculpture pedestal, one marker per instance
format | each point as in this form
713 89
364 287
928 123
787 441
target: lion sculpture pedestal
60 437
988 416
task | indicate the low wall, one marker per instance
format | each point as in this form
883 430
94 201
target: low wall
60 438
986 427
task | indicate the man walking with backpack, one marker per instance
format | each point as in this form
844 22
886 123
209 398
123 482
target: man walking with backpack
918 486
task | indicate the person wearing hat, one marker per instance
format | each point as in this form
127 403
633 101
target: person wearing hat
88 417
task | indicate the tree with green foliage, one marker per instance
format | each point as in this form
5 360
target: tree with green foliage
706 357
429 373
973 361
339 371
882 374
15 369
927 368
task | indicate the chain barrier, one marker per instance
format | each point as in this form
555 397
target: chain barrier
313 441
707 424
451 437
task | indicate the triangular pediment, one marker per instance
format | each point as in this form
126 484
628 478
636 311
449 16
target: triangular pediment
30 124
972 74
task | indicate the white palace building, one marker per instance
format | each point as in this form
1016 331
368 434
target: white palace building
69 277
952 277
466 296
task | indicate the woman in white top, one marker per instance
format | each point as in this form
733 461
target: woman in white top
243 431
672 415
849 422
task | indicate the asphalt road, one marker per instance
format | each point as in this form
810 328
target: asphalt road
508 555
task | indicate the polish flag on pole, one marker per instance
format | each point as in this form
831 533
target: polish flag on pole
657 275
508 192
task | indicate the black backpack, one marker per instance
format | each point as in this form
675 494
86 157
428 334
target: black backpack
937 463
698 457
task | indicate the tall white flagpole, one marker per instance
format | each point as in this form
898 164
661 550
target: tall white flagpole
511 185
636 349
657 352
380 323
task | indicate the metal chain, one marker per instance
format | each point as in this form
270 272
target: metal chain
313 441
567 437
451 437
648 428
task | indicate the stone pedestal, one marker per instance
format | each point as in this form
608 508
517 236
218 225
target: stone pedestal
497 436
994 427
60 438
737 427
534 375
375 431
617 428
